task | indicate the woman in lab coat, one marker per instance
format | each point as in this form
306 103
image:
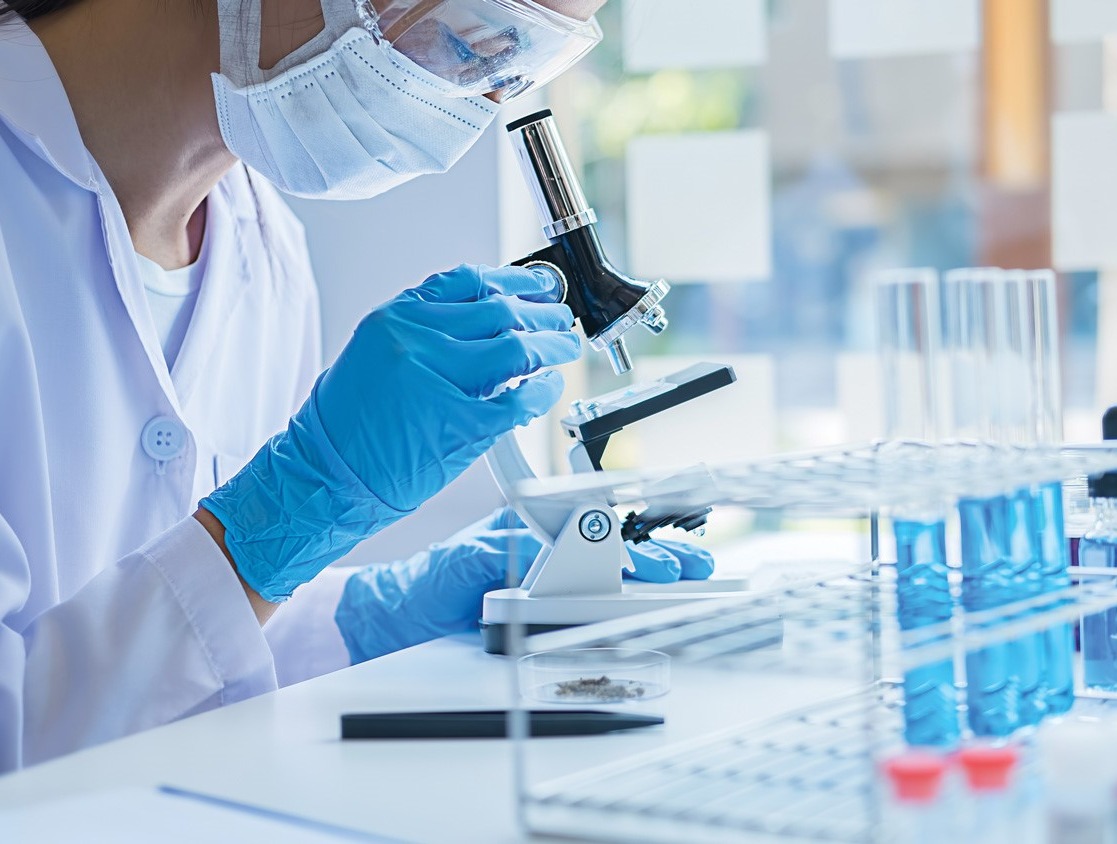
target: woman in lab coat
159 322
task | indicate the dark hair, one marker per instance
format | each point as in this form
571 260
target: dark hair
28 9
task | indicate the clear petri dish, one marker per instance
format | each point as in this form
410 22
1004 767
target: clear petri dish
594 675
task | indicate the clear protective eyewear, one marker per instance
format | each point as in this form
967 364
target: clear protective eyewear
484 46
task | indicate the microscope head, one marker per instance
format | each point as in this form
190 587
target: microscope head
606 302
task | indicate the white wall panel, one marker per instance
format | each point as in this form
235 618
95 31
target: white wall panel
1082 20
871 28
1084 190
859 396
699 207
696 34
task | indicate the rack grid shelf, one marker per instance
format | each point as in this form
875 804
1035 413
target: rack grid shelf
807 774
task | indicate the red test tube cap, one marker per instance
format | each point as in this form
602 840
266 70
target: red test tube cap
988 768
915 776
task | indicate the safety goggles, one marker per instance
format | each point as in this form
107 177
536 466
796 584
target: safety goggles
484 46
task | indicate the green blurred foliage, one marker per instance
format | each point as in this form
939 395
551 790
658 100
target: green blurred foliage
613 107
667 101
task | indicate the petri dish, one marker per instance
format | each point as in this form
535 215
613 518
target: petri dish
594 675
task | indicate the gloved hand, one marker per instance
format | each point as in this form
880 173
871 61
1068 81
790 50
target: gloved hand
411 401
386 608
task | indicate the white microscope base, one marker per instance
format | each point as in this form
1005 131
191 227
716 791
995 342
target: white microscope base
515 606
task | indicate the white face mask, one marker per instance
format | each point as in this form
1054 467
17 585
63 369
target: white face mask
343 117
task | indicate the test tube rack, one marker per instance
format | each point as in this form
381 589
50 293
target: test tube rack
810 773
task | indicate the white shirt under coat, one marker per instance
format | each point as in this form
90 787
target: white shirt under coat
171 296
117 611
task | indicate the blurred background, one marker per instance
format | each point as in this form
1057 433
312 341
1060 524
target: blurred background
766 157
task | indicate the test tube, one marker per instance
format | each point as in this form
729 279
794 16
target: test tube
907 308
1031 404
1014 341
976 331
1041 346
1047 366
1033 514
909 335
967 358
1012 540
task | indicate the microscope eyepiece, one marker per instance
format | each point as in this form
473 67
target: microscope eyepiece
555 187
606 302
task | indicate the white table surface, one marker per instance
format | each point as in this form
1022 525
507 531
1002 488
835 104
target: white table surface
282 750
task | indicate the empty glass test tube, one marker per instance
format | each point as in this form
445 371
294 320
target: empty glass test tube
908 343
967 356
908 330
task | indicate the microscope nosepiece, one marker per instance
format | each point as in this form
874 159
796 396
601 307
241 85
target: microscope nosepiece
647 312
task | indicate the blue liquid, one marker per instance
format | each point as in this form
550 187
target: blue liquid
923 598
1058 642
1005 685
1099 631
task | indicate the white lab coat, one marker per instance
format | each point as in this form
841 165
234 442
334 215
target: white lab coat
117 611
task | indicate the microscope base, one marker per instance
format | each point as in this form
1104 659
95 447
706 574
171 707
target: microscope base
506 608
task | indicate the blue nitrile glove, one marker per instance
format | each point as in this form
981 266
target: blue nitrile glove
412 400
386 608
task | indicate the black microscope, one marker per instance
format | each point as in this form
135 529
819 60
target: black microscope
577 577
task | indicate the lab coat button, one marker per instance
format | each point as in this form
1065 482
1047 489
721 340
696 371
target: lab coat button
163 439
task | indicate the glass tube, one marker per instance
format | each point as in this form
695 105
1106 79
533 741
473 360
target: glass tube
1015 412
996 543
967 346
907 304
909 334
1040 334
1030 369
1033 514
1047 366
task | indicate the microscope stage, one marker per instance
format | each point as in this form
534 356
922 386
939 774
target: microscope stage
504 608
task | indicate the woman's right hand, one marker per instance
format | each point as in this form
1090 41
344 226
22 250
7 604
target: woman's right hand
413 399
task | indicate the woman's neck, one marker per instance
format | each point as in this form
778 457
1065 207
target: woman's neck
137 77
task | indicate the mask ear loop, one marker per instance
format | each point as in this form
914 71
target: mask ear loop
239 24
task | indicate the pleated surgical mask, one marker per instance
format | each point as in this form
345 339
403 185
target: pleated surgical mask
345 116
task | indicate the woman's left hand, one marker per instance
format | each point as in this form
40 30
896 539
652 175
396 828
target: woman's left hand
386 608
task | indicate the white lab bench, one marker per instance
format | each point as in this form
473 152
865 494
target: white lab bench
282 751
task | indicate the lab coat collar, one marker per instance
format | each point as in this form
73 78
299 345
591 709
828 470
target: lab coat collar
34 103
227 275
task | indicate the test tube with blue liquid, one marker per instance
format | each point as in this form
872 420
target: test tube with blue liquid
1035 298
1029 510
1030 415
974 343
1012 539
908 321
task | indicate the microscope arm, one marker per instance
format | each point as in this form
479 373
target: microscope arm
509 466
580 539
